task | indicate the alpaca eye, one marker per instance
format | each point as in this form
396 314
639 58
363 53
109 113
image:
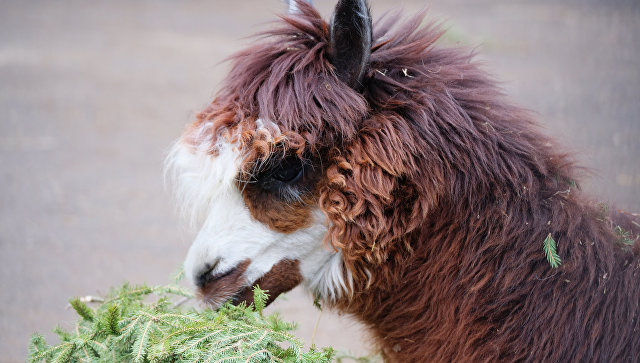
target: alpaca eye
289 171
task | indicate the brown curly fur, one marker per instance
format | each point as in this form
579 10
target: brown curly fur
440 194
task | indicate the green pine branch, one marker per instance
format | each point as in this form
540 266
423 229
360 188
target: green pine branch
549 247
82 309
260 298
143 324
624 237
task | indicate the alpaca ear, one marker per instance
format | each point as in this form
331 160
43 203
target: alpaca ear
350 40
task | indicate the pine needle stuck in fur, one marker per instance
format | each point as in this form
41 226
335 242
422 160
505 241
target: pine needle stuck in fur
550 252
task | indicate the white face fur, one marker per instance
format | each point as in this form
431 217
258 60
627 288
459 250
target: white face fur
205 186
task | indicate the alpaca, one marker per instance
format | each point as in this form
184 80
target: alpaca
394 180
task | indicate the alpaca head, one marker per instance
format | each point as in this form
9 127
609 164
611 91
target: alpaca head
253 169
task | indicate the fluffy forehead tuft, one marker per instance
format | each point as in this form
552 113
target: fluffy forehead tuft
286 77
266 143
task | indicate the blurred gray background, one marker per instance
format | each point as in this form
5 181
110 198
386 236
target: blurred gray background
92 93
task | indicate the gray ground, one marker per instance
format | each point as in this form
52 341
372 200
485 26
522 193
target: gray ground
93 93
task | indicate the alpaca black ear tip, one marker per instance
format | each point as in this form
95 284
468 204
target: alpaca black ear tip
351 36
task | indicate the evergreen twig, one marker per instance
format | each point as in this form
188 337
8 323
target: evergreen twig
624 236
130 327
82 309
550 252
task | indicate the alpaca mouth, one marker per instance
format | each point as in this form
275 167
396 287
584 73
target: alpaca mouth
215 289
231 285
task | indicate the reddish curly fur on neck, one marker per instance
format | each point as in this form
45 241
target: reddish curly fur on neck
440 194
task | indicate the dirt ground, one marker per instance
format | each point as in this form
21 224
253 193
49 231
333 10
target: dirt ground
93 93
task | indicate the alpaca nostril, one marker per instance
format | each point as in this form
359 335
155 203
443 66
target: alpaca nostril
207 277
204 275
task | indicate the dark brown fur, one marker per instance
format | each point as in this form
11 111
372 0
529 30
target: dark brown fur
283 276
440 194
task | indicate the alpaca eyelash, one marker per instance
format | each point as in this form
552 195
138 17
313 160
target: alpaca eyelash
292 194
293 191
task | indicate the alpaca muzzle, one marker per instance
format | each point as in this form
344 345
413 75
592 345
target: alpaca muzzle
216 288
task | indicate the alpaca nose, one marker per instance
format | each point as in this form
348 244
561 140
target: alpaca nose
205 275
